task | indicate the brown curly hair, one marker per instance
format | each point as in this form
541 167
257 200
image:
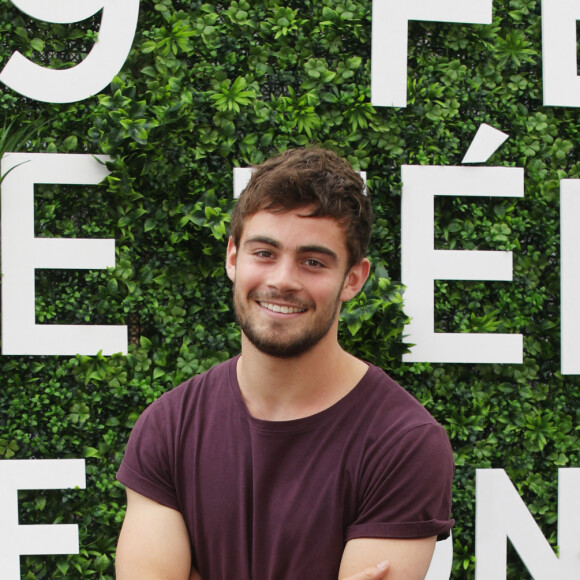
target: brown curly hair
315 178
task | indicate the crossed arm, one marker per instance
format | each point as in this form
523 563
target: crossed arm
154 545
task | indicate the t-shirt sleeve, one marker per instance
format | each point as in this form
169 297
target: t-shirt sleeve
148 466
406 489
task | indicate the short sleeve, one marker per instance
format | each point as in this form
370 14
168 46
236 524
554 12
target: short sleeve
406 488
147 466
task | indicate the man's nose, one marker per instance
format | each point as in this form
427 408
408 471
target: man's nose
285 276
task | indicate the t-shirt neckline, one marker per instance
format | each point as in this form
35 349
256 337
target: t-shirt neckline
345 404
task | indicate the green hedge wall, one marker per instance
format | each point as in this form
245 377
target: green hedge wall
211 86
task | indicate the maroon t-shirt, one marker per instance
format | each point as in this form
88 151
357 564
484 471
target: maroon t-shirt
267 500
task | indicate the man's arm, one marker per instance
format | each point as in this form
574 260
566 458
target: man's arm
408 559
154 544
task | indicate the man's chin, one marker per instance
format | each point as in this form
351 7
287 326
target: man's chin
282 349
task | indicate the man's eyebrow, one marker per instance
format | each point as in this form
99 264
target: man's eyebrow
318 250
263 240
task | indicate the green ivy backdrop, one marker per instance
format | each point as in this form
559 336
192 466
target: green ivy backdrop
208 87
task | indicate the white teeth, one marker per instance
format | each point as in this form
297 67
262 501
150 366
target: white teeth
282 309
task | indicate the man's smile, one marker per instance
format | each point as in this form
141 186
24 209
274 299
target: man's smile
281 308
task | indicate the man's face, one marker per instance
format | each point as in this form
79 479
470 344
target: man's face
290 278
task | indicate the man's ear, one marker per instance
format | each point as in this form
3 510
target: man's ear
231 256
355 279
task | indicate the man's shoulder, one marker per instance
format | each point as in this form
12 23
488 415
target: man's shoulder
385 386
203 383
390 403
399 425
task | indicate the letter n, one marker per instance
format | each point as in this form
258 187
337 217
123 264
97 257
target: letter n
501 515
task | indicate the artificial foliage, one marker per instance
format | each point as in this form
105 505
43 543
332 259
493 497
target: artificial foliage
211 86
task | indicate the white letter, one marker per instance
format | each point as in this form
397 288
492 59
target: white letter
501 514
422 264
22 253
560 71
242 177
16 540
570 275
105 60
390 34
486 142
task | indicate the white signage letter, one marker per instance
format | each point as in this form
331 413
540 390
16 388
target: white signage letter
422 264
501 514
570 275
17 540
560 69
116 33
390 36
22 253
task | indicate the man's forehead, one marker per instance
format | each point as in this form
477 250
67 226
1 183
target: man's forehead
288 221
296 229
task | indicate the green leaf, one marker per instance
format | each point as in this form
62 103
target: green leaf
37 44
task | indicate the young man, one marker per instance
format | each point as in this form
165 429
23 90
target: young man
294 460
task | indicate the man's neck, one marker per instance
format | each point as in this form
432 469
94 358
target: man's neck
279 389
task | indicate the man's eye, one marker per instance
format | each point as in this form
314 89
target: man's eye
263 254
311 262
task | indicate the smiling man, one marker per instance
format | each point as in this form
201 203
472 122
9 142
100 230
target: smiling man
294 460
